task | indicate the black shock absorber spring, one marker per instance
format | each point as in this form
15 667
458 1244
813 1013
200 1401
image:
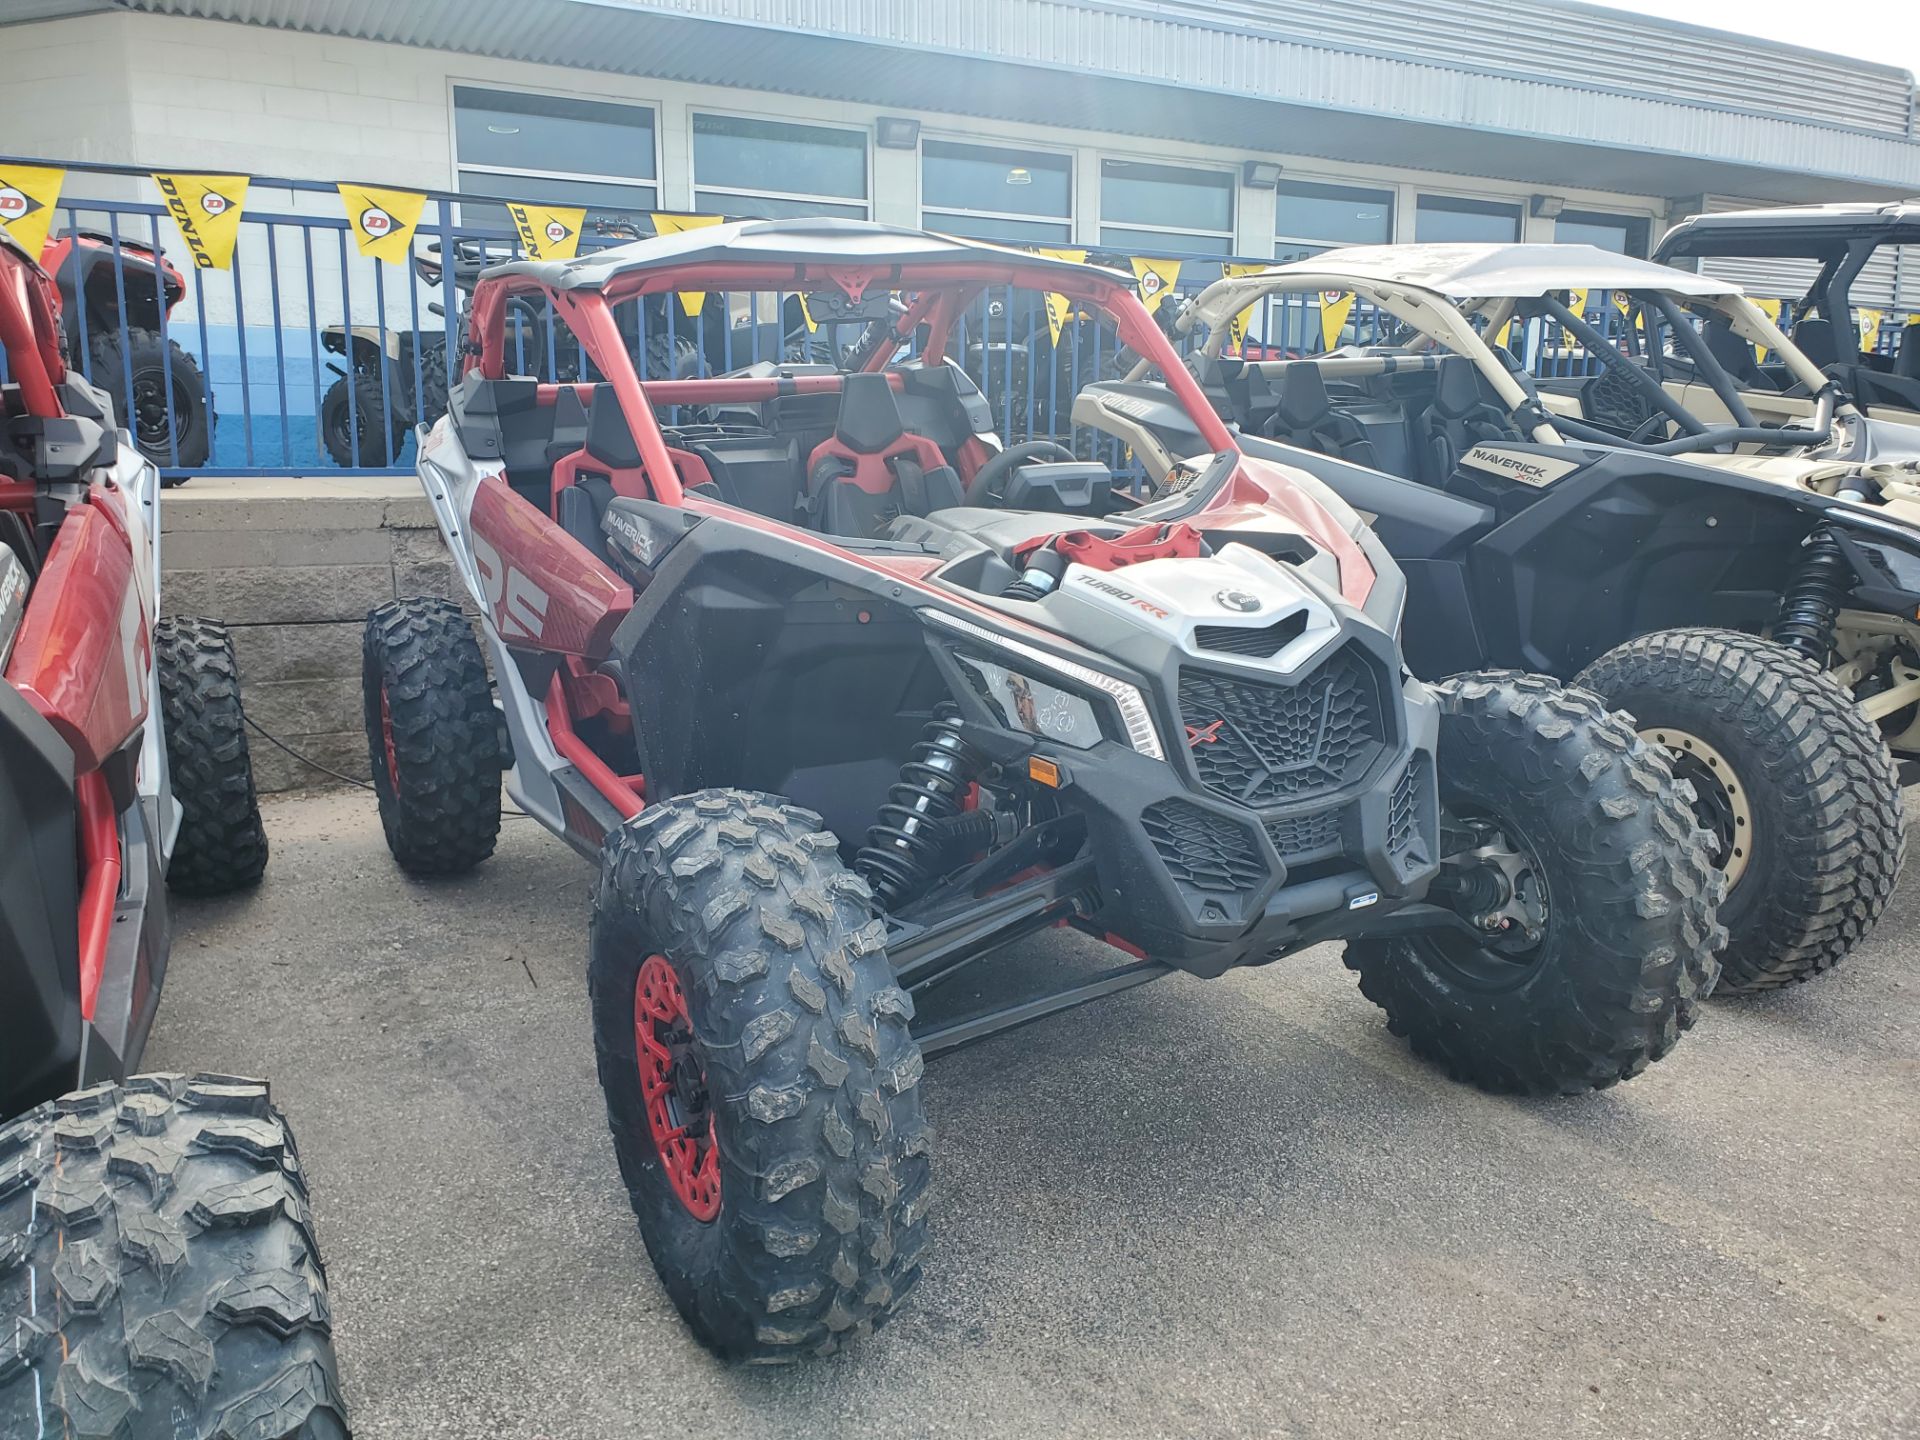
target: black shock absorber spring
911 834
1811 603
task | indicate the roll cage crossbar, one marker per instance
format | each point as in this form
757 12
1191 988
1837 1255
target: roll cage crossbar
1438 320
941 293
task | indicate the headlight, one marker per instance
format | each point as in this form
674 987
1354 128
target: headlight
1034 706
1134 714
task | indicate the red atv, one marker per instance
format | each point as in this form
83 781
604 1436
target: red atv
157 1266
842 693
114 308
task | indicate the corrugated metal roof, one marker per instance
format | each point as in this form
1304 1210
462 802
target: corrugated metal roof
1258 74
1587 46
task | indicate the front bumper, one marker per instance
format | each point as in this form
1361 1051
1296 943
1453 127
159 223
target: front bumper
1206 884
1217 856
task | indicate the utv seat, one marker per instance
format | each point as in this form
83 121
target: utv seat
1814 337
1305 417
1462 415
583 478
1735 355
1906 361
872 468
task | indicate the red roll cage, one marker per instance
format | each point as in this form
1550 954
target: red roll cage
941 294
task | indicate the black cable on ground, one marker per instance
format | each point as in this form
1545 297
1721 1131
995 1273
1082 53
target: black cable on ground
309 761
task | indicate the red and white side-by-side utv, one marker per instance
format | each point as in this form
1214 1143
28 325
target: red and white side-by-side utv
841 692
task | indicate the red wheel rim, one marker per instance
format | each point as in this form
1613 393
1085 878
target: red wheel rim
386 736
674 1084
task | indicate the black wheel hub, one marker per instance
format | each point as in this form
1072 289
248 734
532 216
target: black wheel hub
153 422
1493 882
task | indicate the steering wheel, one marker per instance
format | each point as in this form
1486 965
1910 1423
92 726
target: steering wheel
989 483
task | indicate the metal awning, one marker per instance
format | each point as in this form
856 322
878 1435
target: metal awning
1546 92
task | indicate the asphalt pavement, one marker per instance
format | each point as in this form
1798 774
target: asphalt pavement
1225 1208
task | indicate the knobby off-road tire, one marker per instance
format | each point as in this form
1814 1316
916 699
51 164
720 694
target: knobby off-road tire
432 736
181 437
221 845
1628 949
812 1074
1828 831
159 1278
361 423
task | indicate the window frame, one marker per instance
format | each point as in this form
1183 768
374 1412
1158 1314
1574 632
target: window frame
927 213
457 83
1389 193
1475 204
1638 226
1231 234
865 132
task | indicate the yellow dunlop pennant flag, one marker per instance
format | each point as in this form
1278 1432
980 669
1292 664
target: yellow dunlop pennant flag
806 314
1335 306
1155 278
27 197
1770 309
382 221
1058 305
1506 334
1577 303
548 232
690 300
1870 322
207 210
1623 302
1237 326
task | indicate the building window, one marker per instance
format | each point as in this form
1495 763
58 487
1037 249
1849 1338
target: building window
1310 217
1147 208
553 147
993 194
1447 217
1623 234
777 170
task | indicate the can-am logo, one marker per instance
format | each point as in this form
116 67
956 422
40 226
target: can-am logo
376 222
1522 465
16 204
1107 587
1237 600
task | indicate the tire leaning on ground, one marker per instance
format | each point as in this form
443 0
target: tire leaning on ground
180 436
1798 785
432 736
1620 873
221 845
159 1276
760 1078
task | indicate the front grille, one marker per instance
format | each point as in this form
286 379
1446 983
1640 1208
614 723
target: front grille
1305 837
1259 641
1203 852
1263 744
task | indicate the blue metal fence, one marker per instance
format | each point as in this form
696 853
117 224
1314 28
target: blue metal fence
314 358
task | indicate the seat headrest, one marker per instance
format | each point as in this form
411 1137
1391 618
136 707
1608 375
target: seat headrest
869 414
609 440
1906 363
1814 336
1303 396
1456 387
1733 353
569 413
